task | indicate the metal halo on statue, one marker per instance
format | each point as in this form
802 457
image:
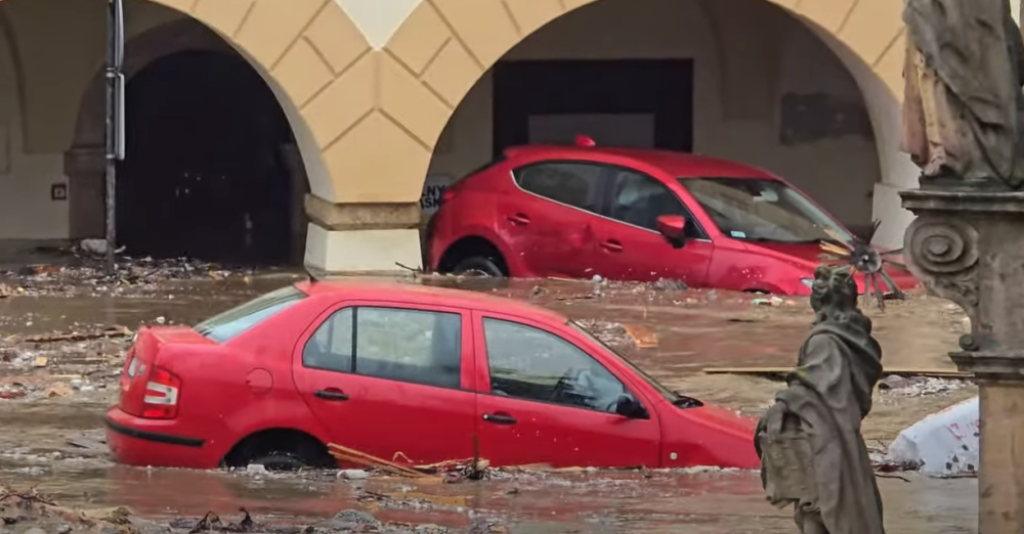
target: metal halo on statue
859 256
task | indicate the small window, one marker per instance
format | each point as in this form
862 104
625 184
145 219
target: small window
532 364
639 200
574 184
416 346
228 325
330 347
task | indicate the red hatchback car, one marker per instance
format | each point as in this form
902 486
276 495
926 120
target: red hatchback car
393 368
630 214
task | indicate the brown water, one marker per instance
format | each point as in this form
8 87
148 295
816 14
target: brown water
693 330
596 502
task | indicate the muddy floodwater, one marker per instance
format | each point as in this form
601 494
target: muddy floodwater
53 392
588 502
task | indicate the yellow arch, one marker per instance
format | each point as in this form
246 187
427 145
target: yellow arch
445 46
312 52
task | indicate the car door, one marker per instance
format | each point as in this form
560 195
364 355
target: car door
549 223
629 245
542 399
382 377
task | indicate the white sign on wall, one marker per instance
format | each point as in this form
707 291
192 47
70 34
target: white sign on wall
433 190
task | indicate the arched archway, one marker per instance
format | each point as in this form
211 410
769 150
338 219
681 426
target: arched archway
308 52
450 46
196 108
206 176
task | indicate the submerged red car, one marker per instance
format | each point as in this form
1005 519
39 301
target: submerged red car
632 214
385 369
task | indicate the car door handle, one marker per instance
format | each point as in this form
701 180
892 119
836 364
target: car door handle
611 245
519 219
331 395
499 418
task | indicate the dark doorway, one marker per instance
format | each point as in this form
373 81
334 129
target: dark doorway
660 91
204 175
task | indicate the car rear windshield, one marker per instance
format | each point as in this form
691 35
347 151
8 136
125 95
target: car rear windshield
230 324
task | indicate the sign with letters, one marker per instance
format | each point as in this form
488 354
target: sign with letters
433 190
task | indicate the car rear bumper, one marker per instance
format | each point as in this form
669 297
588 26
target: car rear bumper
157 443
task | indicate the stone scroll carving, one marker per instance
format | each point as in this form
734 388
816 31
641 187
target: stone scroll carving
944 254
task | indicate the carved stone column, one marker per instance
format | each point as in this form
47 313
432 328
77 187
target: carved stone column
968 247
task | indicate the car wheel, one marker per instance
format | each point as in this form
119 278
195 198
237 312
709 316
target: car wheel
281 461
478 266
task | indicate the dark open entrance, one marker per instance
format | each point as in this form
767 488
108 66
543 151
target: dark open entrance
205 176
641 103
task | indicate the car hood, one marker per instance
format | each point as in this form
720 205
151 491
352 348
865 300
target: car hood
717 436
722 419
808 255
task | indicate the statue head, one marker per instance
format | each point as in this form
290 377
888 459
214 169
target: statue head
834 293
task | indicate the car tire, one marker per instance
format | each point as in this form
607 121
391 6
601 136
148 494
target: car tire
478 266
281 461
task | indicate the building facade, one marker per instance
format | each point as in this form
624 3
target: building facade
324 131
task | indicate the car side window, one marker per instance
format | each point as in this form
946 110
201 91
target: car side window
574 184
639 200
531 364
330 348
417 346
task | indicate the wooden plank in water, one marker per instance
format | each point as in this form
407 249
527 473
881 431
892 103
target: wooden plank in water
642 336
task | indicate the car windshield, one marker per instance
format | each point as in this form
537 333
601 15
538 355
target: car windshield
230 324
661 389
763 209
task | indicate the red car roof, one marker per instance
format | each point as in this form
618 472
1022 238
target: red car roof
422 294
679 164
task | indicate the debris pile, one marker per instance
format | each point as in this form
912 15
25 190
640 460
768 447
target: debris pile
79 266
917 386
30 508
211 523
59 364
34 512
615 335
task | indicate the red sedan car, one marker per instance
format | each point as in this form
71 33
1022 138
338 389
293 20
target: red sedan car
391 368
630 214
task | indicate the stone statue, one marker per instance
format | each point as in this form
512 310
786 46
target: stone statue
811 449
963 108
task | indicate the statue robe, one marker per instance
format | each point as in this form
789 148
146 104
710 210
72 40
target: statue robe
963 109
829 394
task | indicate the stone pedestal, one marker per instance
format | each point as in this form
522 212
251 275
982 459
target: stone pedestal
346 239
968 247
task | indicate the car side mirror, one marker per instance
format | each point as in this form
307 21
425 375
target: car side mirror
672 227
627 406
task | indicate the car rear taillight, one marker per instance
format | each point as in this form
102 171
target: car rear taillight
149 391
130 364
160 398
